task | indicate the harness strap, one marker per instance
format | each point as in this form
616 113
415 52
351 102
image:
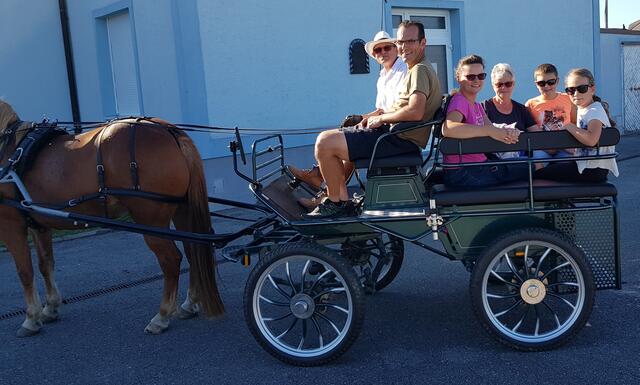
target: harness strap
133 165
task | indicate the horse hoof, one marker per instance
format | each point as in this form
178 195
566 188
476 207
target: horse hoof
24 332
185 314
47 319
155 329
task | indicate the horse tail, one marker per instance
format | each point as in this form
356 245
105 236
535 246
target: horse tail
200 255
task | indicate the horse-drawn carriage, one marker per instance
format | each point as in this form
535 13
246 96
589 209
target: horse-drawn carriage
537 251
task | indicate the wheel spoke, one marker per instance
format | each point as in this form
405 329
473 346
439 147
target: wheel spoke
329 322
544 255
572 306
333 290
537 331
334 306
526 266
286 267
515 328
554 269
513 270
295 320
500 296
503 280
304 273
318 279
269 319
272 302
304 334
563 284
284 294
555 315
518 302
320 339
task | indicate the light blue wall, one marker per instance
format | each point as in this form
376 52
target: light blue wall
611 79
152 27
284 64
531 33
33 77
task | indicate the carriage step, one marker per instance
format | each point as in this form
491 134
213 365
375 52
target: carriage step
236 254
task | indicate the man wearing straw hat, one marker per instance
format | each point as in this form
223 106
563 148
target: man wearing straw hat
383 49
418 100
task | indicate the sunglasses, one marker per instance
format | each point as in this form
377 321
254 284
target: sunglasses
386 48
581 89
550 82
401 43
508 84
473 77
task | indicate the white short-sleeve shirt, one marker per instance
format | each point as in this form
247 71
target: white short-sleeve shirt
585 115
389 84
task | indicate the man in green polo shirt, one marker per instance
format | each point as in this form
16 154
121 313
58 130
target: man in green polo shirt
418 101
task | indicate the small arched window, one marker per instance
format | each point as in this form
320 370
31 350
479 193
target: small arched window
358 58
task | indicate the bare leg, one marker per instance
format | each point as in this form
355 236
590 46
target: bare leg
330 151
43 244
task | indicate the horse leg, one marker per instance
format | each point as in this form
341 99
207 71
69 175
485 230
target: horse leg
169 258
190 307
42 239
16 241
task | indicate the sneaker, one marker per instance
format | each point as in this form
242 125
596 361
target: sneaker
311 176
330 209
311 203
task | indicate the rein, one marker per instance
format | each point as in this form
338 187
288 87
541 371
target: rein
203 128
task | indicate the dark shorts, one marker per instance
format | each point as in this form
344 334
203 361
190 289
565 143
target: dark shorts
360 143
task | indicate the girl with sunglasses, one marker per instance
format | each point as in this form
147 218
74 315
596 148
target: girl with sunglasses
592 117
467 119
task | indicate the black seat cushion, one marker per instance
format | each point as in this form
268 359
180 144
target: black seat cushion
403 160
519 192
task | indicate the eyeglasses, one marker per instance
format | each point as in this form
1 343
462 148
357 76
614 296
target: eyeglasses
508 84
400 43
550 82
473 77
385 48
582 89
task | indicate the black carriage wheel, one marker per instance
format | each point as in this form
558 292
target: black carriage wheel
533 289
381 256
304 304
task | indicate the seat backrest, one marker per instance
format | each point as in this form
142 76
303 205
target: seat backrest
528 141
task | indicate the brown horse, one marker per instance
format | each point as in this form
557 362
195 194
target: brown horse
168 164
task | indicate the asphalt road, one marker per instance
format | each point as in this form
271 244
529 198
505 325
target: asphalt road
418 330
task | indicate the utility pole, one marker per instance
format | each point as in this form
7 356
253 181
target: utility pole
606 13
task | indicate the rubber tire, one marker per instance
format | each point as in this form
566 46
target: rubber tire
531 234
338 264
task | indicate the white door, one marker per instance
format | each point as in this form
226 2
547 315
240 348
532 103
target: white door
437 28
125 79
631 86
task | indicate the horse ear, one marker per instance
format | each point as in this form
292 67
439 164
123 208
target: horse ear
7 115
